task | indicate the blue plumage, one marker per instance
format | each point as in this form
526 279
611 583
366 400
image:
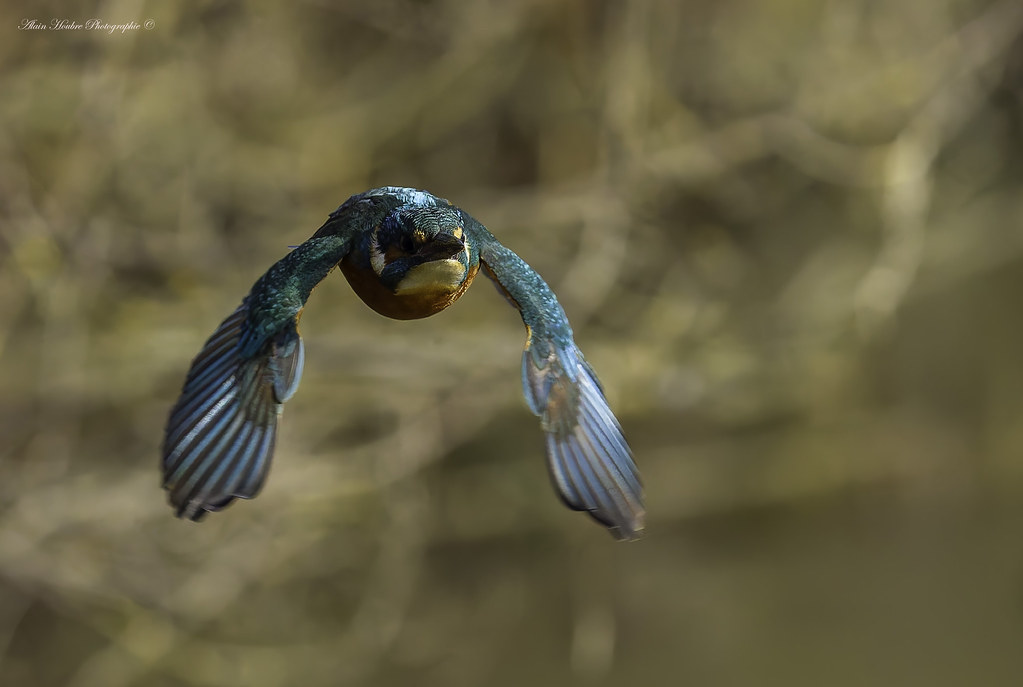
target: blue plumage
407 254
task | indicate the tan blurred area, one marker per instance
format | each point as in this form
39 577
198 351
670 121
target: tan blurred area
788 234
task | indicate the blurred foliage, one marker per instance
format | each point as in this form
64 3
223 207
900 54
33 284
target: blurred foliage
787 234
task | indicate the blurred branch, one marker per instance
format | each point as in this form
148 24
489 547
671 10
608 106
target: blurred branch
908 172
616 155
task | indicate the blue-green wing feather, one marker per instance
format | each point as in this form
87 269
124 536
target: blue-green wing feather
221 433
590 462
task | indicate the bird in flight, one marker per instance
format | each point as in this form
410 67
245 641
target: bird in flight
407 254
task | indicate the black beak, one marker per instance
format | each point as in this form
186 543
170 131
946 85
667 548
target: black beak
442 246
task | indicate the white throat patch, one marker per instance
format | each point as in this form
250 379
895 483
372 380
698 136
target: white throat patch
376 258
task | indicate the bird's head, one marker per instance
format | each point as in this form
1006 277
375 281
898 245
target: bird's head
419 250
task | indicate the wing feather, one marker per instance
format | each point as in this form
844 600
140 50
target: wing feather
221 433
589 460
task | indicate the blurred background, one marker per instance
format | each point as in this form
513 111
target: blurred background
787 234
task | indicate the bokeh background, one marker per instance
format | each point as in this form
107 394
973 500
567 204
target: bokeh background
787 233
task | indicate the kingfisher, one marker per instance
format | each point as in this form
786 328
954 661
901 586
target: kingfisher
407 254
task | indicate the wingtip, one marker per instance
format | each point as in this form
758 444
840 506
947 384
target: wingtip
220 434
589 460
633 530
189 510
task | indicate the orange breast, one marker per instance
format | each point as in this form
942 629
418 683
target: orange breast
365 283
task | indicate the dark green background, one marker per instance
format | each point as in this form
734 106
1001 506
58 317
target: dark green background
787 233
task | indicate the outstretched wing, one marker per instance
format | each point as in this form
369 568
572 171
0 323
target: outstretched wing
220 435
589 460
